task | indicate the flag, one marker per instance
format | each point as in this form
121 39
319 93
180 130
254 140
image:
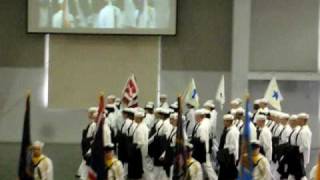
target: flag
180 161
273 94
24 171
97 165
191 94
220 96
246 166
130 92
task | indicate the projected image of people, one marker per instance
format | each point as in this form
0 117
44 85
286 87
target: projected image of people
103 14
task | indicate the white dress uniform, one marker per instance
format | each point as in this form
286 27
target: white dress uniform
115 170
265 139
261 169
106 134
190 121
43 169
83 168
213 118
285 134
202 132
109 17
232 142
57 19
253 131
164 105
112 121
149 120
294 135
304 143
145 18
140 137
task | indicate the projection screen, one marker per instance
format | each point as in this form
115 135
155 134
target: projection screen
156 17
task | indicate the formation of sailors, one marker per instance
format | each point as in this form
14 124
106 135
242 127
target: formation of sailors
144 139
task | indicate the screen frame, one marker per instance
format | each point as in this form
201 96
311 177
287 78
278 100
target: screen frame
122 32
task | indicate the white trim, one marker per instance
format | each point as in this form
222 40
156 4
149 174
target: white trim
159 71
46 70
287 76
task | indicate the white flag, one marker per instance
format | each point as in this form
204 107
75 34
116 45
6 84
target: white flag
273 94
191 94
220 96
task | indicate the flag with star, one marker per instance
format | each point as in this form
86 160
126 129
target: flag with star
273 94
191 95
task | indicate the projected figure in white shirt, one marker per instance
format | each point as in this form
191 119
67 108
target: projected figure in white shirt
109 16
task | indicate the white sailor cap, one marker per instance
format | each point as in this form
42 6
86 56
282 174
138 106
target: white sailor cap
200 112
293 117
261 117
92 109
240 111
174 105
228 117
110 106
303 116
149 105
109 147
163 96
255 143
174 116
38 144
273 112
264 101
284 116
162 110
128 110
257 101
111 96
139 112
235 102
206 111
209 103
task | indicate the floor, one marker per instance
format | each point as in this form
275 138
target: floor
66 159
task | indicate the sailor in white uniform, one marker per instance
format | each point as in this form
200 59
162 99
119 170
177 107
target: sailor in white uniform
190 119
200 141
149 119
303 143
63 18
109 16
163 101
229 147
87 139
264 136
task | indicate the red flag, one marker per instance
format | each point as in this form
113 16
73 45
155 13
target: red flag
130 92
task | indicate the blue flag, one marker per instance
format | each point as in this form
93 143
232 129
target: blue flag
246 164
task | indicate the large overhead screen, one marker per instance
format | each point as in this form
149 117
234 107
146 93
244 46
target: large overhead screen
156 17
